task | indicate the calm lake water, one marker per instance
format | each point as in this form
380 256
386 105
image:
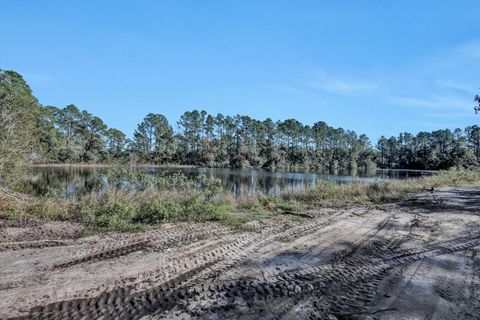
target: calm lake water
68 181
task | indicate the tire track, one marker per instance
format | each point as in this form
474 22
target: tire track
171 283
355 277
472 305
155 241
292 234
105 254
33 244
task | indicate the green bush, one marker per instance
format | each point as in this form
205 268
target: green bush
158 211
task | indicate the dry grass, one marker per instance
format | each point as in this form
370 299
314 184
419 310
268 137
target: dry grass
110 165
130 210
328 192
124 210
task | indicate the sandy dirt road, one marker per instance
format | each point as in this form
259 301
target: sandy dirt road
418 259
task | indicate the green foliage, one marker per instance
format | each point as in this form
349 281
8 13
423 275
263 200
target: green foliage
477 107
153 139
18 113
111 217
158 211
441 149
72 135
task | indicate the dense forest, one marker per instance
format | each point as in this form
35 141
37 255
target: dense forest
48 134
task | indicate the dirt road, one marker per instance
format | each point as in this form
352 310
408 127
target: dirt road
419 259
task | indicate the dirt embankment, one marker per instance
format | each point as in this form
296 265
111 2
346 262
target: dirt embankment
419 259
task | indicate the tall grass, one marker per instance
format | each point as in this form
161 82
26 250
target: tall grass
328 192
135 201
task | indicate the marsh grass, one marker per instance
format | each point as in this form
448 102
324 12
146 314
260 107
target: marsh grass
174 198
329 192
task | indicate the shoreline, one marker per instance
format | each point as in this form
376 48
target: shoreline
105 165
173 165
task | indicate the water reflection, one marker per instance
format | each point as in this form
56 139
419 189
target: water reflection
68 181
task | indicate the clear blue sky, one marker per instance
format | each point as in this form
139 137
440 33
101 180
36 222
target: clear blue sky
378 67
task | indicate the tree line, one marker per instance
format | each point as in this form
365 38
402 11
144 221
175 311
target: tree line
50 134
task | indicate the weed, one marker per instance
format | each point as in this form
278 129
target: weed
174 198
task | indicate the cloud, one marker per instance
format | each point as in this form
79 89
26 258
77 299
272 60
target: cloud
323 83
458 86
450 115
431 125
439 102
334 84
470 49
458 62
444 83
292 89
343 86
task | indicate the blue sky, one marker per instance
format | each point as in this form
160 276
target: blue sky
377 67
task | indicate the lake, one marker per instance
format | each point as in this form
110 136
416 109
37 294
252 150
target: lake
68 181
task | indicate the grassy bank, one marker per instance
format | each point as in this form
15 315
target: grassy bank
110 165
380 192
174 198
